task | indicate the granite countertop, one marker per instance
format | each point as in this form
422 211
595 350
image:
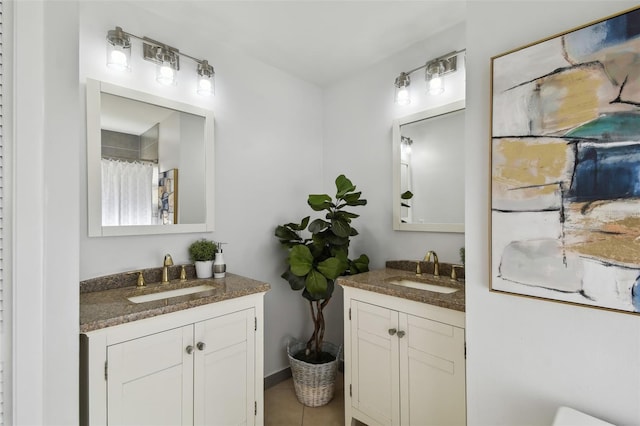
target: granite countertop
377 281
104 303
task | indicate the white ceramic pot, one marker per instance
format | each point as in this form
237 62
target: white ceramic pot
204 269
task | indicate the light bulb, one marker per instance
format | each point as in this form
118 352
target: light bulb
205 85
118 60
165 75
402 96
118 50
436 86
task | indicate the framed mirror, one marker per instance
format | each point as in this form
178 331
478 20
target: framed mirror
150 163
428 170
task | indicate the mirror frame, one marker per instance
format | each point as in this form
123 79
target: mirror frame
94 176
422 115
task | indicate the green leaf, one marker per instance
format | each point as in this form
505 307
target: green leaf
354 196
340 227
346 215
328 237
406 195
318 225
319 202
357 203
295 282
341 253
344 186
316 283
300 260
360 264
285 234
325 295
332 267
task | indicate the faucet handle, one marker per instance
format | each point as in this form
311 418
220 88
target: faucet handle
140 282
418 269
454 274
168 261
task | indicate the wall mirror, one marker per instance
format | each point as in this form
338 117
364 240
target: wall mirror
428 170
150 164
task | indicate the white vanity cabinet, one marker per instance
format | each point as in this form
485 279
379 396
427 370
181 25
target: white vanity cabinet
199 366
404 361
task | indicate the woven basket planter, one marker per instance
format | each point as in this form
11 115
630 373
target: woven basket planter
314 383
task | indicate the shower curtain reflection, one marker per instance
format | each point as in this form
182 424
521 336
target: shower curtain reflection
127 193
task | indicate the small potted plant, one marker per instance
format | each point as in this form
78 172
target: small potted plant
201 253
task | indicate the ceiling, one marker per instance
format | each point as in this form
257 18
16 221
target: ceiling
317 41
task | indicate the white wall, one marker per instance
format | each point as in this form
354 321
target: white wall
358 114
526 357
45 209
267 156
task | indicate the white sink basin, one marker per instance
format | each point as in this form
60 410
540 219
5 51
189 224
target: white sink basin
170 293
423 286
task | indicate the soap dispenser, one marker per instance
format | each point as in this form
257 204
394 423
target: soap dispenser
219 267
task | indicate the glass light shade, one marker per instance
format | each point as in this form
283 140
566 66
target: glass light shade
436 86
205 85
402 89
406 149
402 96
434 72
165 74
118 57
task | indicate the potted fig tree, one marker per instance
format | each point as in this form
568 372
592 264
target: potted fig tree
314 262
201 253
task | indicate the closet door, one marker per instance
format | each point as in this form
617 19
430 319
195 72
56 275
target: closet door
224 370
150 380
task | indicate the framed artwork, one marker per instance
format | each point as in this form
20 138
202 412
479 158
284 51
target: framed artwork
168 197
565 167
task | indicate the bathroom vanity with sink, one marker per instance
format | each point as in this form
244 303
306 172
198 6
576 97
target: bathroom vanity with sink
404 348
187 352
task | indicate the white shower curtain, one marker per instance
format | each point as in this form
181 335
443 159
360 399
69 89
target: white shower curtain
126 193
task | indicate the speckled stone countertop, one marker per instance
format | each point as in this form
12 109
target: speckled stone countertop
378 282
104 301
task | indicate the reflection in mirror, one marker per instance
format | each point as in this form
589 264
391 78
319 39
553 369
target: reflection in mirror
428 170
138 145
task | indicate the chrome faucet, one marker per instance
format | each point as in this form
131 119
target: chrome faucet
436 265
168 261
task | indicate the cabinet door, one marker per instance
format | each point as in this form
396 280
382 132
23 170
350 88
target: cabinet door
224 370
150 380
374 364
432 361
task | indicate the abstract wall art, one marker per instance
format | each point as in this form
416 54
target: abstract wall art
565 167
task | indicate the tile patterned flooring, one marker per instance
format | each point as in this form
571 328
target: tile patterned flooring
281 407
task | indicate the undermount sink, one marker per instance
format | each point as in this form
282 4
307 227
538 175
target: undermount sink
420 285
170 293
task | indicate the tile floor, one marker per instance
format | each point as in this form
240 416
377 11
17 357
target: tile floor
281 407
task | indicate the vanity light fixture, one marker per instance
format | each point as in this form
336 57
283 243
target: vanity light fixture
402 89
433 75
118 50
205 78
434 71
405 145
166 58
